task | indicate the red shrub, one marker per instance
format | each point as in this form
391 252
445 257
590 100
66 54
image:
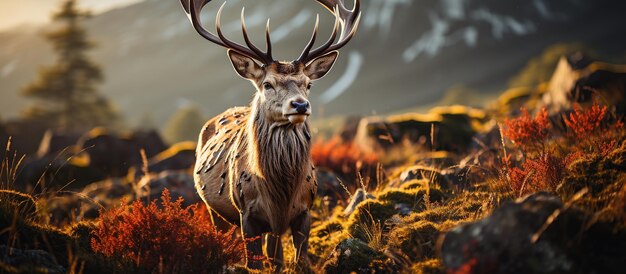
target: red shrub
585 122
341 157
542 173
526 131
171 239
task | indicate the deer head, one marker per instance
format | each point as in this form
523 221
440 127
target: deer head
282 87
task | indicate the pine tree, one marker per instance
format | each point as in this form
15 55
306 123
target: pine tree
66 90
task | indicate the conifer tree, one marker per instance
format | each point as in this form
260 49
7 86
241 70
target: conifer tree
67 89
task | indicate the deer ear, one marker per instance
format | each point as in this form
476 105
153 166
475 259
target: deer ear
321 65
245 66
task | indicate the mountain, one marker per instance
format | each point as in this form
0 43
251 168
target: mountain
406 53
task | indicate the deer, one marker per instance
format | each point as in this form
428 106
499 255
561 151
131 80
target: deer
253 164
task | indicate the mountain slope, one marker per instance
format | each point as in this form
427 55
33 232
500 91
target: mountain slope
406 53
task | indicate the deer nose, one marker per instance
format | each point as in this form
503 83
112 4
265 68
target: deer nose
301 106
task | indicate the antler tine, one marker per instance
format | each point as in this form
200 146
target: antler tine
268 40
308 46
193 9
349 20
249 43
323 48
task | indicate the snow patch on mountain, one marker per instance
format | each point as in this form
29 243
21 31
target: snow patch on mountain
380 13
501 24
355 62
8 68
296 22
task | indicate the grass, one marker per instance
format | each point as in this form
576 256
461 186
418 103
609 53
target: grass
396 230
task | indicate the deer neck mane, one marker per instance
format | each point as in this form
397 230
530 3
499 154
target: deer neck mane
279 154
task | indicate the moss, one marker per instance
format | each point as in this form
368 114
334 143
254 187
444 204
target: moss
326 228
324 237
416 240
415 183
432 266
354 255
414 197
593 171
368 214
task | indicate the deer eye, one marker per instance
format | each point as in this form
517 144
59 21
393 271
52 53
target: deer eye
267 86
308 86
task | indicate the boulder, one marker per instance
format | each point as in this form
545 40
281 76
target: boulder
180 156
359 196
179 183
536 234
452 128
577 79
53 142
113 154
70 170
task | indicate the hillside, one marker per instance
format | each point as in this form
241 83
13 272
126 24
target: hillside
407 53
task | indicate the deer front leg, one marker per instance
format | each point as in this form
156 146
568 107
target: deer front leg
300 228
274 250
252 230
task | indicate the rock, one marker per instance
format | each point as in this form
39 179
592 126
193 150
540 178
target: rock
353 255
70 207
420 172
519 238
403 209
180 156
113 154
107 193
53 141
359 196
38 261
453 126
349 129
179 183
71 170
578 80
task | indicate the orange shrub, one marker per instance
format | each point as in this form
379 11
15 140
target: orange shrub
170 239
341 157
527 131
544 172
584 122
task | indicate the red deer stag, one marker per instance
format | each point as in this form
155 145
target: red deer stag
253 165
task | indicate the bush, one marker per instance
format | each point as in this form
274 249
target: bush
584 122
170 239
342 157
527 131
544 172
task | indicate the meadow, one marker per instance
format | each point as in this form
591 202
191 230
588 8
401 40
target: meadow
513 187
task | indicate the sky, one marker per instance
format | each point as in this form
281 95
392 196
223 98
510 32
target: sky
17 12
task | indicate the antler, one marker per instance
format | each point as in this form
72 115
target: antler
349 20
193 8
